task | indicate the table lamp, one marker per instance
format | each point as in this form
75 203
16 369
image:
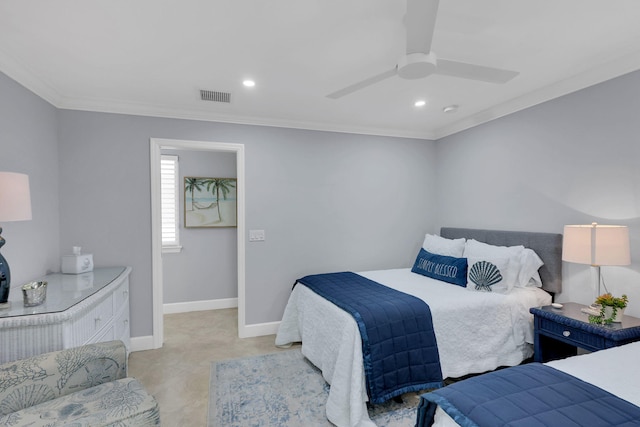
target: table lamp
596 245
15 205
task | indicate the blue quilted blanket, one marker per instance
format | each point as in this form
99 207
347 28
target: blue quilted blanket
398 342
531 395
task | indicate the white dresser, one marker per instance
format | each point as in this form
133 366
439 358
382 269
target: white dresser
79 309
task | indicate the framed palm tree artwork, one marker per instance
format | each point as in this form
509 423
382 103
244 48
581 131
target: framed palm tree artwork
210 202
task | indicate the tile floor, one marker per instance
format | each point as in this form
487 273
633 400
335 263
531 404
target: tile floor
178 373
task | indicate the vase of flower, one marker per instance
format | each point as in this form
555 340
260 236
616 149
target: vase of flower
612 308
615 317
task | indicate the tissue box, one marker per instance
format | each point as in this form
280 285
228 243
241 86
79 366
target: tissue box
76 264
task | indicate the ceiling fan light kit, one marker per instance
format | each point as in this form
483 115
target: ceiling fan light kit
417 65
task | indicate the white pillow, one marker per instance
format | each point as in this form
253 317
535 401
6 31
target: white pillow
475 249
535 281
441 246
530 263
487 274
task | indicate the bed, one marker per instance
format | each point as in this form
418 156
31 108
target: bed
475 331
609 395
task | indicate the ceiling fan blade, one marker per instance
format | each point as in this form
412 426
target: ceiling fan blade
364 83
474 72
420 22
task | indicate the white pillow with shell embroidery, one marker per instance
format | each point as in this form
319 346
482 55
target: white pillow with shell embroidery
511 272
488 275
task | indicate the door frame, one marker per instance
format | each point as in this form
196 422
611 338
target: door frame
156 145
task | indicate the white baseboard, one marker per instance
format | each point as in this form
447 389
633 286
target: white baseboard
185 307
248 331
259 330
142 343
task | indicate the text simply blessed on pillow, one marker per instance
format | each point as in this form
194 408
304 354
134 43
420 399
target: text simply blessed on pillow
441 267
438 269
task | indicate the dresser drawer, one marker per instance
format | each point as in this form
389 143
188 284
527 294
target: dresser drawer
571 335
121 295
121 325
103 313
105 335
95 319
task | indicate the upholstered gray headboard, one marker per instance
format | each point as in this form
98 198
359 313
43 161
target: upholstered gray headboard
548 246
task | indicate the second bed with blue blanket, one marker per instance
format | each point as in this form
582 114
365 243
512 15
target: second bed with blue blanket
595 390
531 395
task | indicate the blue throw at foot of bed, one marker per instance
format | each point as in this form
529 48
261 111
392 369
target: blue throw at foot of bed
398 342
531 395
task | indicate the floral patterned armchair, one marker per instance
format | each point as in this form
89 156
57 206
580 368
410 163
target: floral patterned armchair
82 386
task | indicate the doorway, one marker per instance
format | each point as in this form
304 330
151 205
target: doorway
156 146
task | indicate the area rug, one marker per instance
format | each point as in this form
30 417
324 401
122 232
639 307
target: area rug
285 390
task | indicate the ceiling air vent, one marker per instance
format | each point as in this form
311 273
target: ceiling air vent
215 96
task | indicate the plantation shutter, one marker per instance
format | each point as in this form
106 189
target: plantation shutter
169 193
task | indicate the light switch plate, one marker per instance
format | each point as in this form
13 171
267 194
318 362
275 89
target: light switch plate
256 235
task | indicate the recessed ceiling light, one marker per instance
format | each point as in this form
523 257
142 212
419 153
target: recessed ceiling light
249 83
450 109
420 103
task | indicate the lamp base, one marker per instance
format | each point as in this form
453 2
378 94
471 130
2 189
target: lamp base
5 275
595 278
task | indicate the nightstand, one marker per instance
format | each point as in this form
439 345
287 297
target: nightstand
558 332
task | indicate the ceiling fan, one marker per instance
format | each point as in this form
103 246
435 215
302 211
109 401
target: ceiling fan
420 61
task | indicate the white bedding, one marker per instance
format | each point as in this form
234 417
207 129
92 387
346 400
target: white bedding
612 370
475 331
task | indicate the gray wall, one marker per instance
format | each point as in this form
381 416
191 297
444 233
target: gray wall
28 144
573 160
327 201
331 202
207 266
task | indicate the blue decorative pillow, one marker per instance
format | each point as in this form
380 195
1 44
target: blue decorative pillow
441 267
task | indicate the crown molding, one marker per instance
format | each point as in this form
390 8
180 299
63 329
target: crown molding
600 74
29 79
119 107
24 76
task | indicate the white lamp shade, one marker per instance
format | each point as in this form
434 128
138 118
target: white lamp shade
596 244
15 197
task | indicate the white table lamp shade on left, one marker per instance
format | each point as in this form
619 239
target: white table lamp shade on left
15 205
15 197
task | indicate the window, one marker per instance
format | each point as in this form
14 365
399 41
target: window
169 193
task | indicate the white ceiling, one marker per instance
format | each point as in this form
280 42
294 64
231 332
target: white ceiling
151 57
